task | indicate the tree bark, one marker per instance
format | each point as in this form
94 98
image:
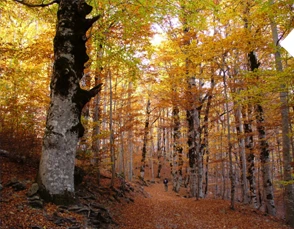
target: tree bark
264 149
204 142
193 120
178 150
111 137
63 124
130 132
289 189
96 142
241 143
231 171
247 113
145 140
265 163
194 148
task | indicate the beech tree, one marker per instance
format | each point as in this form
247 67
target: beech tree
289 193
67 99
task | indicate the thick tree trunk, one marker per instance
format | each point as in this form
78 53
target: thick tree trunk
192 117
264 149
178 151
241 143
194 153
250 155
194 149
265 164
63 125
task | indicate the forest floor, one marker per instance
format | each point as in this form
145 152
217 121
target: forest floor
141 207
168 210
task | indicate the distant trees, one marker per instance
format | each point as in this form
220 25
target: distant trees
238 48
23 79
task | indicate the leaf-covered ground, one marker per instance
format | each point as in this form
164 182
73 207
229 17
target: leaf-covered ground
166 210
140 208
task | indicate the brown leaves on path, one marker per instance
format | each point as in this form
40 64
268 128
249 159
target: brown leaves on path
167 210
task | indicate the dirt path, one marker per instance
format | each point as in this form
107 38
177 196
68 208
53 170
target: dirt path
166 210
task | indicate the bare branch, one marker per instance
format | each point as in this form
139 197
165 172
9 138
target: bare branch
91 21
94 91
37 5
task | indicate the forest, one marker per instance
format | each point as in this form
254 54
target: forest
131 92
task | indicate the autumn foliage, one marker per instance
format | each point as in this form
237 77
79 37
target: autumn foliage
192 91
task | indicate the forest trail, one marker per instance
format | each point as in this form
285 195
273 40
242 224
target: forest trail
167 210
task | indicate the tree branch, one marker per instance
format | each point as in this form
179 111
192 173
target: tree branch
91 21
37 5
94 91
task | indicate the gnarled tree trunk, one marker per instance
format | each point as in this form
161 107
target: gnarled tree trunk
63 125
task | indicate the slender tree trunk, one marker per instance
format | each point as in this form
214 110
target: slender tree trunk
145 140
96 127
223 166
241 140
104 141
159 146
232 176
159 167
122 149
63 125
83 145
163 144
96 117
204 142
292 135
289 189
111 137
151 158
278 150
166 135
95 134
130 131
